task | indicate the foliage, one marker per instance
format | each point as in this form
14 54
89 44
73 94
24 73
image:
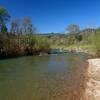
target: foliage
23 40
95 40
4 17
78 37
4 29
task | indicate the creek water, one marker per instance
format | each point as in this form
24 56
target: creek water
52 77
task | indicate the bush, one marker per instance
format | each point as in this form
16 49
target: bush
95 40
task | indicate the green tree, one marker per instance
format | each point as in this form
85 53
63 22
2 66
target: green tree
95 40
4 17
78 37
4 29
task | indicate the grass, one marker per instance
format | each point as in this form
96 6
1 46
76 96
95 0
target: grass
65 47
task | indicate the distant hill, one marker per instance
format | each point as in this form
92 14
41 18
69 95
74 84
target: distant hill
52 34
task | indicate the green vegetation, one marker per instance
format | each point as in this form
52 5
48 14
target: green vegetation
95 40
87 40
24 40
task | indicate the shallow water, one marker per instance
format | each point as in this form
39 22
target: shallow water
54 77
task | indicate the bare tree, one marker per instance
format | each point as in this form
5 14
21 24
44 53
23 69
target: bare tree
28 27
73 28
26 24
15 27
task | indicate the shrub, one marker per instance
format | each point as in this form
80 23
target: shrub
95 40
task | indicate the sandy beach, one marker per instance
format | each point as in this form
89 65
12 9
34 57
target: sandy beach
92 91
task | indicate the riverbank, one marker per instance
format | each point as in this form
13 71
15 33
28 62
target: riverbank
86 48
92 91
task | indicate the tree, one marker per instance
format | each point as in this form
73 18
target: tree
28 27
78 37
26 23
73 28
4 29
15 26
4 17
31 29
95 40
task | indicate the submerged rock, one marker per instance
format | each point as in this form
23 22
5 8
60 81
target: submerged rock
43 54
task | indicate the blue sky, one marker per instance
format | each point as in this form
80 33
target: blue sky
55 15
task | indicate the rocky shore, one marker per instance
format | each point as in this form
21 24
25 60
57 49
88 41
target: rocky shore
92 91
